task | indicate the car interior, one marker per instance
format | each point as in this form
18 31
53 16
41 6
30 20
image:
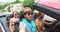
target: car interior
46 10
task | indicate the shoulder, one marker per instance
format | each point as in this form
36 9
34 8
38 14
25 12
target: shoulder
36 20
22 23
11 19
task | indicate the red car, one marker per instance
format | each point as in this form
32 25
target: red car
52 4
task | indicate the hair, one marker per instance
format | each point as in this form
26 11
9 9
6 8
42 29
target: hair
27 8
40 14
14 12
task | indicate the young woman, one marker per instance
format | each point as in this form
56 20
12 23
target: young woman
27 24
12 20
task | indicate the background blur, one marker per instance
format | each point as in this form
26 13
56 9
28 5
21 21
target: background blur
8 5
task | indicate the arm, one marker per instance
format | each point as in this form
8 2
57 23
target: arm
54 21
47 23
11 26
43 26
21 27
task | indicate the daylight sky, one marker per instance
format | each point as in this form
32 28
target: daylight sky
8 0
20 0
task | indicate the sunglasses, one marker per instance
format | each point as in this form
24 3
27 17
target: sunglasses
15 14
28 14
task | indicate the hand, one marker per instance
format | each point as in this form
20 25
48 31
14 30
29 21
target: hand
54 21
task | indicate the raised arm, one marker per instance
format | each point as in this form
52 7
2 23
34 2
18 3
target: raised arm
22 27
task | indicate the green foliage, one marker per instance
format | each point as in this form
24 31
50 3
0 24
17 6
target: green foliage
9 9
17 1
25 4
3 6
28 3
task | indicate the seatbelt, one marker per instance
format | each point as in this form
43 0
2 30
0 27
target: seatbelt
16 26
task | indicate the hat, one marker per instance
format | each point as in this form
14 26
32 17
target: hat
27 9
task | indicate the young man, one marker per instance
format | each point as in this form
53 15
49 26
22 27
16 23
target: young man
27 24
39 22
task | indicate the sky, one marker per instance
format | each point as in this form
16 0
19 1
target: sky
7 0
22 0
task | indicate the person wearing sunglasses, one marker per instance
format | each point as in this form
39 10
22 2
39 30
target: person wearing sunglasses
27 24
13 20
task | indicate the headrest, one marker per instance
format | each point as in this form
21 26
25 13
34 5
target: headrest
9 16
20 16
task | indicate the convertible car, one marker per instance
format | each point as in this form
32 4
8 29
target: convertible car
51 9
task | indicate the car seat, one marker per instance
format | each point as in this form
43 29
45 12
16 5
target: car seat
4 23
34 16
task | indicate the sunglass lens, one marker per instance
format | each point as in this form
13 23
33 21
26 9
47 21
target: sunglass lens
30 14
16 14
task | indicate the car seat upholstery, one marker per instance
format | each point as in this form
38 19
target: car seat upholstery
4 23
34 16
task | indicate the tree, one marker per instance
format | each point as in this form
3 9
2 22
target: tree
17 1
3 6
28 2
